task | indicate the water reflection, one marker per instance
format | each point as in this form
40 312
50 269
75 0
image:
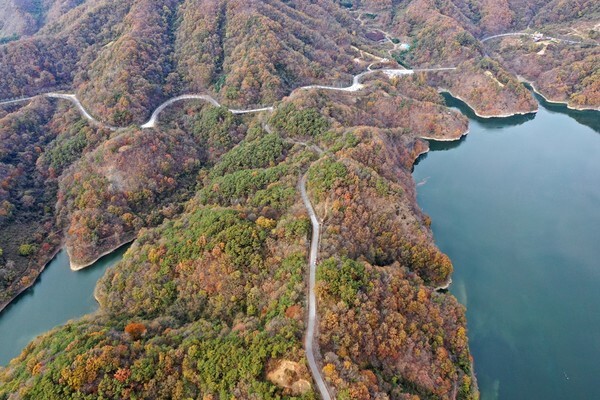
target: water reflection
418 160
589 118
435 145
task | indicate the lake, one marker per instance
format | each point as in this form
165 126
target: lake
516 206
58 296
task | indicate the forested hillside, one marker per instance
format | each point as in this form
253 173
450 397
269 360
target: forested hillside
210 300
213 298
123 58
21 18
450 31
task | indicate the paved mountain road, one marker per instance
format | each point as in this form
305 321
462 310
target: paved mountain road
544 37
154 118
309 340
152 122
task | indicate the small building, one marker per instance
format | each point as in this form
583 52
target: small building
538 37
404 47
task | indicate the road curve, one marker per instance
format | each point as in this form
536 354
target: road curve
354 87
154 118
485 39
309 340
313 147
73 99
63 96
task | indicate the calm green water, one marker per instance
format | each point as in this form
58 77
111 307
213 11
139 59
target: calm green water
58 296
516 205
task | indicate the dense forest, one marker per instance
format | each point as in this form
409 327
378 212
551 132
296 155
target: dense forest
224 276
560 71
38 141
210 299
448 32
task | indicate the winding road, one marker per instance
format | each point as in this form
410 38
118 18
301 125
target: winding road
311 344
73 99
544 37
395 46
309 340
354 87
154 118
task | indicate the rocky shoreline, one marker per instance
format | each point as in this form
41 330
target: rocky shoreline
559 102
450 139
474 110
78 266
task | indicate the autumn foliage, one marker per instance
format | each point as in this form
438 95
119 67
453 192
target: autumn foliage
212 293
135 330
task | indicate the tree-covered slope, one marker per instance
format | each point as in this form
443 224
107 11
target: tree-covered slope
211 303
210 300
450 31
123 58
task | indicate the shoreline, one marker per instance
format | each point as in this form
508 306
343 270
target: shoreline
445 286
78 267
420 154
73 267
556 102
434 139
517 113
95 294
25 288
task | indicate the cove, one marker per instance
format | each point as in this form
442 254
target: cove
58 295
516 206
